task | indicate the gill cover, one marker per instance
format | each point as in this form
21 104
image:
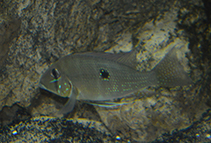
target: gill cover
69 105
59 84
56 82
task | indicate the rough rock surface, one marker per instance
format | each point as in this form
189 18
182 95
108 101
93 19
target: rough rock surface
51 29
9 29
46 129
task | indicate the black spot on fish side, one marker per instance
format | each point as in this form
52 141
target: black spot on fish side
104 74
55 73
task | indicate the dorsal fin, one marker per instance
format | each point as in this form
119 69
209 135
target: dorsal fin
128 58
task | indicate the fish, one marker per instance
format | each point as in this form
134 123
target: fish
98 76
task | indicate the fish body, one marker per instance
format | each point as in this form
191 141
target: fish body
105 76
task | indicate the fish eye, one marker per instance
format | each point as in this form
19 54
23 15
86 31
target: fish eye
104 74
55 73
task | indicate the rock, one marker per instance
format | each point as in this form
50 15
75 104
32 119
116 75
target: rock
9 29
51 29
198 132
47 129
146 118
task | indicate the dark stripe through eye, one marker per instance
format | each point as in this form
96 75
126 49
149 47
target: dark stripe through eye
55 73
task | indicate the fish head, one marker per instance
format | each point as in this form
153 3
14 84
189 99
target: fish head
53 80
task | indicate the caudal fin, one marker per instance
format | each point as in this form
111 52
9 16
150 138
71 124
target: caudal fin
169 71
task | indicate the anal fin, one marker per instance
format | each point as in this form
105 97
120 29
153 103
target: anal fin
107 104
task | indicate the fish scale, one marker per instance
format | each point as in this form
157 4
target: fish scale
105 76
93 87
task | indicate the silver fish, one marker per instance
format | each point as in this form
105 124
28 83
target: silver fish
105 76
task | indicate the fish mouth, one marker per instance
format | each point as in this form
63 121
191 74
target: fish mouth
42 86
